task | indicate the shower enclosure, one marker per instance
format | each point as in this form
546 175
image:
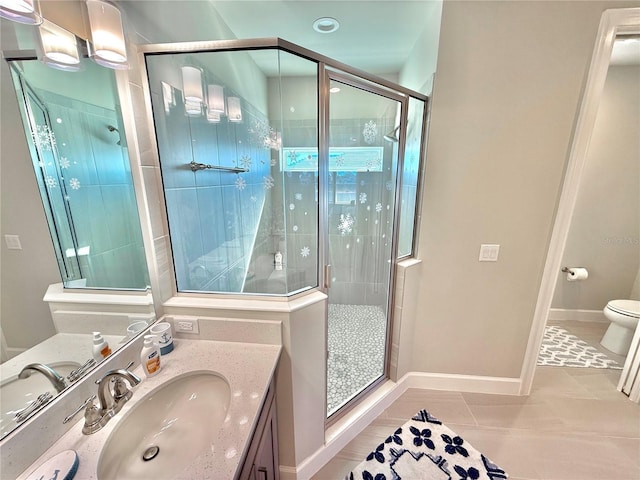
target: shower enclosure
285 171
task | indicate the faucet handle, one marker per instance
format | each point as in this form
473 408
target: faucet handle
88 403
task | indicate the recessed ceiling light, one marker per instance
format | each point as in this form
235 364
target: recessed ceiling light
326 25
334 89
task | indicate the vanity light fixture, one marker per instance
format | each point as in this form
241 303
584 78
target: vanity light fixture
212 117
192 108
326 25
107 46
192 86
21 11
215 99
59 47
234 111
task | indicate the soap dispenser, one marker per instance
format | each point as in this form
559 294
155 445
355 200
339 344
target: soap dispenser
150 356
100 347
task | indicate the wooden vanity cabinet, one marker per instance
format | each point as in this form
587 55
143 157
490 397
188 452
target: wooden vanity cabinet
261 462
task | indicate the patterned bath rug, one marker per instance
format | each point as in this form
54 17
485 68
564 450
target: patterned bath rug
561 349
425 449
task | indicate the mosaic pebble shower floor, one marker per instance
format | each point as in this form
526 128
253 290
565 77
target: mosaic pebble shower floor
357 344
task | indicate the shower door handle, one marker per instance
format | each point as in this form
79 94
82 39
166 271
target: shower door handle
327 276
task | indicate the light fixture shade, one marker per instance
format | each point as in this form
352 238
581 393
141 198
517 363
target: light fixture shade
59 47
234 111
212 117
21 11
108 47
168 97
215 98
193 108
192 84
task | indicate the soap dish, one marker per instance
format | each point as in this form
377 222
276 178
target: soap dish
62 466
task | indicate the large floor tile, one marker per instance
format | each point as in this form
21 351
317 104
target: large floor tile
601 417
448 407
578 457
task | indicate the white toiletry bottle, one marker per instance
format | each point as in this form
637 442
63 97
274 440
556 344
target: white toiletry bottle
100 347
150 356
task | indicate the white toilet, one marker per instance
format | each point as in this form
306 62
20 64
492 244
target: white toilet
624 316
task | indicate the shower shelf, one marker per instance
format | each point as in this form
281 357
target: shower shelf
203 166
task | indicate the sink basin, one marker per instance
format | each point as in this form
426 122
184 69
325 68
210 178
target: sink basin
169 427
18 393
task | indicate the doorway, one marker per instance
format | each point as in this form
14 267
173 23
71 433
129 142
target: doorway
613 23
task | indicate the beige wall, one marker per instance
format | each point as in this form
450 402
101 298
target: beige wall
603 236
26 273
504 104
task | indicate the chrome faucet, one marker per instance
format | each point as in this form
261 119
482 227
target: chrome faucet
97 416
54 377
110 404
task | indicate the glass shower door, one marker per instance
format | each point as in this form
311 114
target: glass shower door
361 194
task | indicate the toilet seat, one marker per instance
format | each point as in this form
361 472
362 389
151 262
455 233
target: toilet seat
630 308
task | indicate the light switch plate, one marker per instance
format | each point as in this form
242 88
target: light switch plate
13 242
489 253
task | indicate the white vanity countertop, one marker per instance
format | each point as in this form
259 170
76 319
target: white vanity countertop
60 348
247 367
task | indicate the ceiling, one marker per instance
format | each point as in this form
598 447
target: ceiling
376 36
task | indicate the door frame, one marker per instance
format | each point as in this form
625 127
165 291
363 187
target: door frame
326 75
612 23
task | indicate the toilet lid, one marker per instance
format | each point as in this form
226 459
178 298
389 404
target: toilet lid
625 307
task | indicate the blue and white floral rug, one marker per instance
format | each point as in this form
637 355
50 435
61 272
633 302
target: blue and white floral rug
425 449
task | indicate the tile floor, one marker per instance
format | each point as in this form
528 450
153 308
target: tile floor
573 426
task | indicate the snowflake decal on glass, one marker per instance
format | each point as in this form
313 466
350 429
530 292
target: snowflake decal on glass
298 196
240 183
389 185
64 163
292 206
340 160
245 161
346 224
254 198
363 197
44 137
304 252
268 182
295 228
51 182
378 207
75 183
370 132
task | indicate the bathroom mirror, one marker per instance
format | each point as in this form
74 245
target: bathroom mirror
73 259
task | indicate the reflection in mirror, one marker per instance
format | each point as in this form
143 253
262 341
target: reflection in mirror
84 180
72 160
240 221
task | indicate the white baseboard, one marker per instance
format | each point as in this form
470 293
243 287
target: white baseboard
347 428
563 314
463 383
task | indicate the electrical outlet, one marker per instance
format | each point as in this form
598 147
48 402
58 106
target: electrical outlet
186 325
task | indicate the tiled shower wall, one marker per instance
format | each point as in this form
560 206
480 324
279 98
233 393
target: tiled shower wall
98 182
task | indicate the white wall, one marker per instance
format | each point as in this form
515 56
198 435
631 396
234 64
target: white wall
606 222
504 105
418 72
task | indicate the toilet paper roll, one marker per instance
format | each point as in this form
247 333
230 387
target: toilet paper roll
577 274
